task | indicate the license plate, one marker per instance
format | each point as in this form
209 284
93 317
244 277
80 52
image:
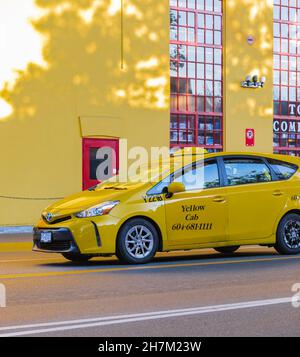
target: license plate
46 237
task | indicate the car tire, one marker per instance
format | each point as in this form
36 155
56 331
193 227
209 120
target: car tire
137 242
288 235
227 250
77 258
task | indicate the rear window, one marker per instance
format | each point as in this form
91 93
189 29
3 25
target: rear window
283 170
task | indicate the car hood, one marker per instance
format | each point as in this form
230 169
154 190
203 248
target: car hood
92 197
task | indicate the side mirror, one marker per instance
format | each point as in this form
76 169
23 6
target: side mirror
175 187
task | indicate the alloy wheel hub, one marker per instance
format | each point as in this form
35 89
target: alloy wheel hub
139 242
292 234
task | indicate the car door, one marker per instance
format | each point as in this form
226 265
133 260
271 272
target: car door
254 200
199 214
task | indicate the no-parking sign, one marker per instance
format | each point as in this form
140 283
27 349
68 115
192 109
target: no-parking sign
250 137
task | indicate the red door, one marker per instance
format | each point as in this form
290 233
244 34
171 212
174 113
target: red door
100 160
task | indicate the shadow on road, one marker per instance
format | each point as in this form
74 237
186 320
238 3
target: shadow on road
166 258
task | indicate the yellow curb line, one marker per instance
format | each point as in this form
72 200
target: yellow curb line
15 247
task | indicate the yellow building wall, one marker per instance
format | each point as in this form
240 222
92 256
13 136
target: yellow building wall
105 77
248 108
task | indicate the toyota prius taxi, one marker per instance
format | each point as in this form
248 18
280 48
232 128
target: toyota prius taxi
220 201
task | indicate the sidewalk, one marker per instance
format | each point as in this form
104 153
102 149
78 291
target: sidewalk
15 239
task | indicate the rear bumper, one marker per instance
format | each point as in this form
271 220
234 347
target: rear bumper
62 241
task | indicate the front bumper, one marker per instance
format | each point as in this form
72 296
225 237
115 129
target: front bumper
62 241
94 237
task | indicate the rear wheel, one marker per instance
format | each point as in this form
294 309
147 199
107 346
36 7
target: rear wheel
137 242
227 250
78 258
288 235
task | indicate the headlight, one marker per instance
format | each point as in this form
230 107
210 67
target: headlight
99 210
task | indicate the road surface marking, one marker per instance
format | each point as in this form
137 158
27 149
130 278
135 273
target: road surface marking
141 267
180 254
68 325
193 253
13 247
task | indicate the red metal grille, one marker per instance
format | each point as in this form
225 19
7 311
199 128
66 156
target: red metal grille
287 77
196 73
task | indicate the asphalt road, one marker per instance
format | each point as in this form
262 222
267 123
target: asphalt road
196 293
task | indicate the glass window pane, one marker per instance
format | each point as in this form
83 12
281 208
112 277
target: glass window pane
217 23
209 40
209 5
201 23
182 18
284 93
218 56
182 34
217 73
191 53
182 69
201 34
217 38
209 58
209 22
191 4
200 54
191 35
283 170
200 87
246 171
191 69
200 176
191 19
218 5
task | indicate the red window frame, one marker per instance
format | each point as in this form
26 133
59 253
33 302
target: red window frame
286 74
199 120
87 144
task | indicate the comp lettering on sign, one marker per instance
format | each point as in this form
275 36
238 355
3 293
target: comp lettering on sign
286 126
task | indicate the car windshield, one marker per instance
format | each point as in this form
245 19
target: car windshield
142 174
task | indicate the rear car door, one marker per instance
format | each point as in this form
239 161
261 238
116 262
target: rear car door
254 200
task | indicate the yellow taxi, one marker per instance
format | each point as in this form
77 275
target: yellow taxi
219 200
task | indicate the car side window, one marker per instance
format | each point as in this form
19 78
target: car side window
200 176
195 177
283 170
243 171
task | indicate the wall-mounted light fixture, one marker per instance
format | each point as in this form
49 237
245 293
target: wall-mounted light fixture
254 82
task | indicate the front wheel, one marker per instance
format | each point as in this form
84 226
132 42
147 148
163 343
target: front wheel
137 242
288 235
227 250
77 258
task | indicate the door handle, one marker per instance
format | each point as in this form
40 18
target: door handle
219 199
277 193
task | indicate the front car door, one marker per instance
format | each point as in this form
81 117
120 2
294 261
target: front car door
198 215
254 201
